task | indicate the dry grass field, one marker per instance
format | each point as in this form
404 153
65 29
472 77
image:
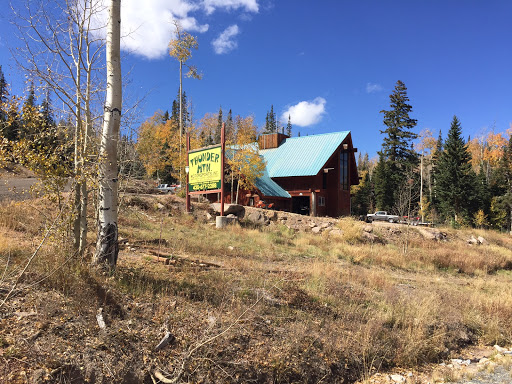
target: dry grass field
242 304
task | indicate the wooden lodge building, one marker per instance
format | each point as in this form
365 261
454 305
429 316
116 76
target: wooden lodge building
310 175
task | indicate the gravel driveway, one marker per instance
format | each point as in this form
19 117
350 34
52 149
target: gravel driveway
500 375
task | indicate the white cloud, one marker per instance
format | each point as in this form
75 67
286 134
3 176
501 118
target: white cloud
249 5
306 113
147 25
372 88
225 43
190 24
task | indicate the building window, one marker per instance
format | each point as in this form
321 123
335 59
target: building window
344 170
321 201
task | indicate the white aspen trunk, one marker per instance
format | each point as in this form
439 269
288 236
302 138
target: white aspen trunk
421 190
84 198
237 188
107 247
77 157
232 181
181 113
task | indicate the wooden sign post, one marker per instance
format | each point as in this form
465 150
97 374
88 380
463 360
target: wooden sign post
223 149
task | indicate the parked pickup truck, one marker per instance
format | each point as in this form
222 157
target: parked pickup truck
382 216
167 188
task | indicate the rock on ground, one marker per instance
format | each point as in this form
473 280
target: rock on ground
431 234
258 218
235 209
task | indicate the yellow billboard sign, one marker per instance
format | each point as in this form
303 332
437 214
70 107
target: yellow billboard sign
205 169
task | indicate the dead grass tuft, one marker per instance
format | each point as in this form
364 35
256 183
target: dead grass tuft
352 230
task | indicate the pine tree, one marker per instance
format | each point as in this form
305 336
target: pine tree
47 129
12 126
455 180
218 129
175 111
383 185
397 145
483 192
501 203
4 92
363 162
184 112
397 157
46 110
363 199
31 117
31 98
271 122
434 201
289 127
230 127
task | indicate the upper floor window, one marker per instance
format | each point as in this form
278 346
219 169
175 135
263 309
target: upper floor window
344 170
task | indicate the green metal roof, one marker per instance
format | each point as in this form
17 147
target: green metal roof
302 156
264 183
269 187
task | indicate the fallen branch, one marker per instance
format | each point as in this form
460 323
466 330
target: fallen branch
162 378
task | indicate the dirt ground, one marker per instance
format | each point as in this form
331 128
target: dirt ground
50 330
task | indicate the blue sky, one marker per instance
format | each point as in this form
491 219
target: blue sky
330 63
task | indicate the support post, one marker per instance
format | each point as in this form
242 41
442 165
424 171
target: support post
223 149
187 194
313 204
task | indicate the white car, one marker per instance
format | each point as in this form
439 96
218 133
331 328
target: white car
167 188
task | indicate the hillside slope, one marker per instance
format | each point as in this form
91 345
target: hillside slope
269 304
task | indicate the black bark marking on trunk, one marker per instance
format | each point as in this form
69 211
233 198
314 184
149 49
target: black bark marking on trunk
109 246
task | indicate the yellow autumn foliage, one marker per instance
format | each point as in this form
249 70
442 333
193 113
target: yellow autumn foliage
245 161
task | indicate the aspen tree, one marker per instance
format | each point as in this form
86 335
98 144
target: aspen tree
181 49
107 247
59 47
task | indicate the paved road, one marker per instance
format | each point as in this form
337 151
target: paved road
16 188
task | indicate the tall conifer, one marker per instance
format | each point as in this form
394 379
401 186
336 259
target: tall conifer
3 96
455 180
230 127
218 129
175 111
12 126
384 187
289 127
397 157
434 170
271 122
30 114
